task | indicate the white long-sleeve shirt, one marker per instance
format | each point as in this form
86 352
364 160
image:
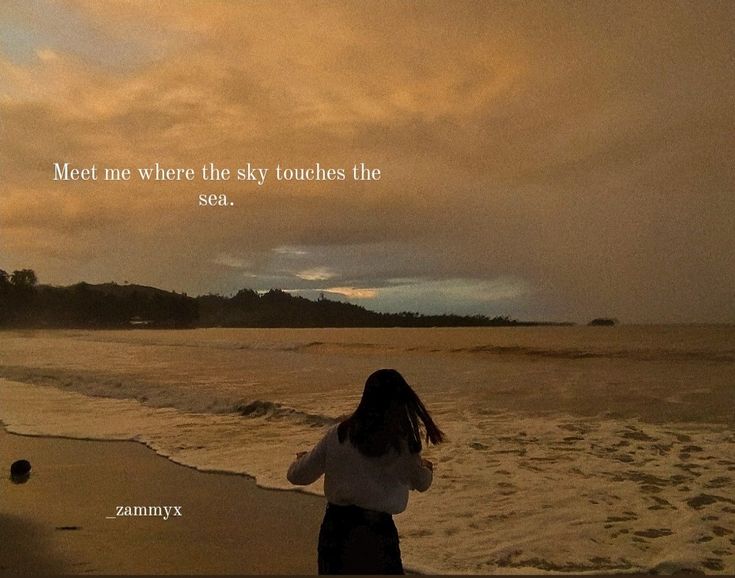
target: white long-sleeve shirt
351 478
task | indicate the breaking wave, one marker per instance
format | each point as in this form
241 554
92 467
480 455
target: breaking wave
274 410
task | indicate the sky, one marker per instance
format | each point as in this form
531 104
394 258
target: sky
543 160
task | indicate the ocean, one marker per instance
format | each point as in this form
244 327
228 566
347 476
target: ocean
570 449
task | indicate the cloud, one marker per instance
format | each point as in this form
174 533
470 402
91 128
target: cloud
353 292
315 274
582 152
232 262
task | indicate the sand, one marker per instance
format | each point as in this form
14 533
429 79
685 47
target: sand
58 522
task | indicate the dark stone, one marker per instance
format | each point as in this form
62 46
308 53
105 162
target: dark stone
20 471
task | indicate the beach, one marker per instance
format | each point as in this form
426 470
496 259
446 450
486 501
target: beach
58 522
219 218
569 449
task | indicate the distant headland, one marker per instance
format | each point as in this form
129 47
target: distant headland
24 303
603 322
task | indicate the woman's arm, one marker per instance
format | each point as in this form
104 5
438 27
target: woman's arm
309 466
422 473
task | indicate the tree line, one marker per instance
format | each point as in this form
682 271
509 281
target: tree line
26 303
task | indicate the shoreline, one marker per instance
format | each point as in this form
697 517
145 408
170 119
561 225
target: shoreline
64 519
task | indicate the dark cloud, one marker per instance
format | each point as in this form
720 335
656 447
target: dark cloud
550 160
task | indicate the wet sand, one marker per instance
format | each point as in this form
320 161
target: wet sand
58 522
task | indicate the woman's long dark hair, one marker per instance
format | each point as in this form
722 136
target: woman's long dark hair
389 415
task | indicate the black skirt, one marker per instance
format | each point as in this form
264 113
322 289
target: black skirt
353 540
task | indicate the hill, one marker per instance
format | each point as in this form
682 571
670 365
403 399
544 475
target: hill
25 303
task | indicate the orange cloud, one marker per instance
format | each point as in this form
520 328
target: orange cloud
584 150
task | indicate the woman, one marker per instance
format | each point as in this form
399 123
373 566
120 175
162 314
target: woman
370 461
